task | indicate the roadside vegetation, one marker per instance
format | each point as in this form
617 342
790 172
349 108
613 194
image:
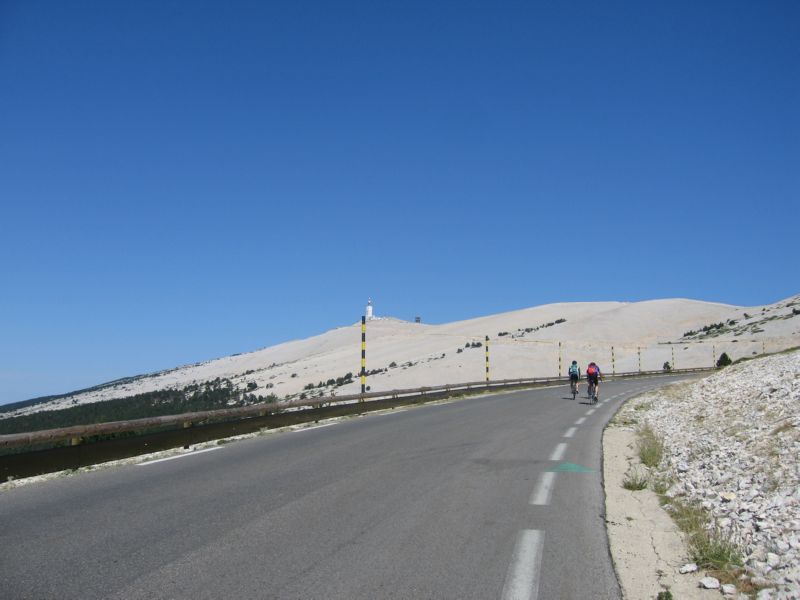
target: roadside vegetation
707 546
212 395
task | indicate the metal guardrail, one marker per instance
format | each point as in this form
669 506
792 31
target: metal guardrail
78 433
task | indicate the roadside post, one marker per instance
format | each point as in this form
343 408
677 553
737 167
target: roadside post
363 355
487 359
613 363
559 359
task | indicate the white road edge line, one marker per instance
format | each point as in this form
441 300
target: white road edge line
522 578
570 432
580 421
544 488
314 427
184 455
558 453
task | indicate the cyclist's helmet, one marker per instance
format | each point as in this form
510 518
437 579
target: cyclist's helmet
574 362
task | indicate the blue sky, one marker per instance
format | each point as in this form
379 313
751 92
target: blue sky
184 180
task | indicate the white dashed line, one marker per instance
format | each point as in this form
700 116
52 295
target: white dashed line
522 578
558 453
541 495
590 411
184 455
570 432
580 421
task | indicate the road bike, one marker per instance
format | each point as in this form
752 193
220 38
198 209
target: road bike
592 392
573 387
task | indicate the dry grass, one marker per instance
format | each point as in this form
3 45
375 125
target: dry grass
635 480
649 446
784 427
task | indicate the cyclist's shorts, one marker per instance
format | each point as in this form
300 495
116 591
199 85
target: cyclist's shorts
573 377
592 379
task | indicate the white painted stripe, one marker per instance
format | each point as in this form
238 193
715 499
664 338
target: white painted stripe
315 427
580 421
590 411
184 455
558 453
541 495
522 578
570 432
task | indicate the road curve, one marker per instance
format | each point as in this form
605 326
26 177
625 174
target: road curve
487 497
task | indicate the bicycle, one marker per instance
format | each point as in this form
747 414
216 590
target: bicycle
592 392
573 385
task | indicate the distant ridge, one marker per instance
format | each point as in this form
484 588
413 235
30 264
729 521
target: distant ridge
529 342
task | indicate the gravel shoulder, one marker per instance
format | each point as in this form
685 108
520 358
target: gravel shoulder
646 546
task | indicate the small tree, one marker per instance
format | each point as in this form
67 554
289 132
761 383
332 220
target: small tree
667 366
724 360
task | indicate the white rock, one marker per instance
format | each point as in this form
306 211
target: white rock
688 568
728 589
709 583
773 560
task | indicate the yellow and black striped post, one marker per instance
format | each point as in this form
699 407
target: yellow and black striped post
639 352
559 359
673 356
713 355
487 358
763 347
613 362
363 354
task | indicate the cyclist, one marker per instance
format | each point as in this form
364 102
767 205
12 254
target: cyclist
593 377
574 376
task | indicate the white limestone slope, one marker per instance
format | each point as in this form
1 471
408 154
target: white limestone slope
429 354
731 445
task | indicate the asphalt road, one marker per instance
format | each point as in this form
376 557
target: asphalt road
488 497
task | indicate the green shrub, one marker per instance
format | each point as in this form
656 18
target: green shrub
724 360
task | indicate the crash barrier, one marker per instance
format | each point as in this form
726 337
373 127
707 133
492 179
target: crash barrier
36 452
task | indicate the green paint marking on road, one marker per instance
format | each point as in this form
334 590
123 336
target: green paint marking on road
568 467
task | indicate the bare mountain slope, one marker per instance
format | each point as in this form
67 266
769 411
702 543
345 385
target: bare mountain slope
523 343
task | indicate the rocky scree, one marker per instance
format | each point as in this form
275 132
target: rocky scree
732 444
